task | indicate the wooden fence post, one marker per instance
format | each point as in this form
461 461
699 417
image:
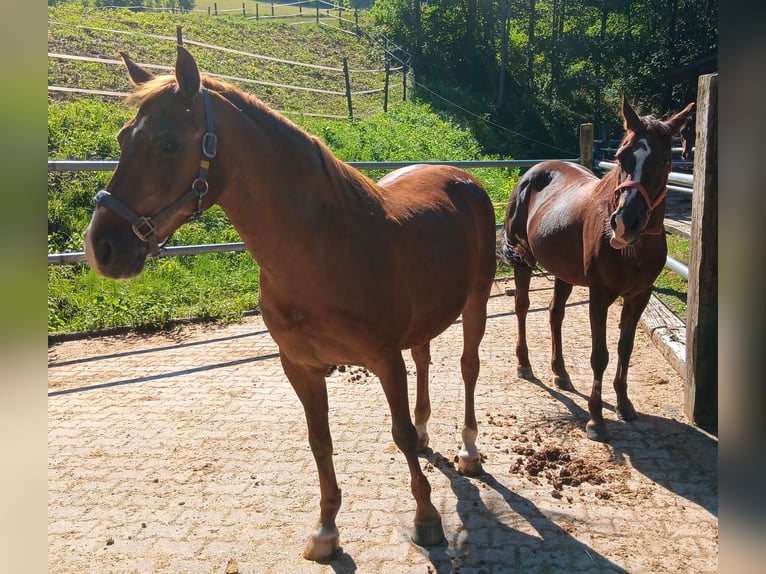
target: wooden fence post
179 36
348 87
385 89
317 14
701 384
215 8
404 83
244 14
586 145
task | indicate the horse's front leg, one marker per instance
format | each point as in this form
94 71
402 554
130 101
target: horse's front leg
556 311
311 388
631 313
421 354
599 358
391 371
521 278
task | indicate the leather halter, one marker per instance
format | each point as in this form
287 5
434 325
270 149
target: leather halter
649 204
146 227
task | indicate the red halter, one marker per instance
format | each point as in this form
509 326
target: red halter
652 206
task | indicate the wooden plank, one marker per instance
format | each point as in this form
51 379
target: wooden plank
701 384
668 333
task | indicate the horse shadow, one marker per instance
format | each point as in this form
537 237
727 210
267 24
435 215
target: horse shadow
676 455
484 541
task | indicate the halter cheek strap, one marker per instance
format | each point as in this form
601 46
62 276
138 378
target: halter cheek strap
649 204
145 228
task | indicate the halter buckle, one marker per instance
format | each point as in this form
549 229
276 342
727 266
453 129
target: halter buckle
144 224
209 145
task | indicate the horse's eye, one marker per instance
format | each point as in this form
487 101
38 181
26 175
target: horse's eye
168 145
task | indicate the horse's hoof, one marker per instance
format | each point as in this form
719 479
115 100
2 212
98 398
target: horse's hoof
597 432
322 545
469 466
428 534
563 383
525 373
627 413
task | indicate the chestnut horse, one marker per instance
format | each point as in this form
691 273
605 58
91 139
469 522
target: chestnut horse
606 234
351 272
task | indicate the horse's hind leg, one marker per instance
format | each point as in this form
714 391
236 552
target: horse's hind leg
391 371
474 324
631 313
421 354
556 310
310 386
522 275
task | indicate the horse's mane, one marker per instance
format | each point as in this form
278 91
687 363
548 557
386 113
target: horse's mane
348 182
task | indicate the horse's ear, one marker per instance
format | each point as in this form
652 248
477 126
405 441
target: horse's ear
187 73
137 74
678 121
631 121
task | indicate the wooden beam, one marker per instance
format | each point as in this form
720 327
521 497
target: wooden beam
701 385
586 145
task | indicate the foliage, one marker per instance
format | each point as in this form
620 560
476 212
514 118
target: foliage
544 66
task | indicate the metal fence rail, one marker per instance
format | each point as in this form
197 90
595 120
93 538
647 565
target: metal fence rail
683 181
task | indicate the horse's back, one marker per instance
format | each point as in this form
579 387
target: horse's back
545 215
447 203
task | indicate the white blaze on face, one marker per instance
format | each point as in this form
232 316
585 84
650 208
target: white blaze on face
641 153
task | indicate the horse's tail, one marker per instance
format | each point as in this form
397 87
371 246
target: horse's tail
514 247
515 252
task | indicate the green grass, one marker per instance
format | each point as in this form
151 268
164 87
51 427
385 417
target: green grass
671 288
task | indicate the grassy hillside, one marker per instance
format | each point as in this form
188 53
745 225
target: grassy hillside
150 39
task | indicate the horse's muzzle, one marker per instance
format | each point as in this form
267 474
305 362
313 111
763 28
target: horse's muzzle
112 254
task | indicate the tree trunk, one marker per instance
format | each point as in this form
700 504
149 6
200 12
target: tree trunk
531 43
599 56
505 19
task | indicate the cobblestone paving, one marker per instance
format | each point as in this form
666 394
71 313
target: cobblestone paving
187 452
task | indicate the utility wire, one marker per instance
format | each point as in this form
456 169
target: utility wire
490 122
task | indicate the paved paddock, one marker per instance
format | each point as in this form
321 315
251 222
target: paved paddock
187 453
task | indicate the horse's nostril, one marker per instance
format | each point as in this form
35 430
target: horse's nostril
104 251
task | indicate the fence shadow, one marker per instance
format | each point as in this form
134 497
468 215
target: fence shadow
485 537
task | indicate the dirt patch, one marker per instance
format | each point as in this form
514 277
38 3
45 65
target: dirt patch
557 466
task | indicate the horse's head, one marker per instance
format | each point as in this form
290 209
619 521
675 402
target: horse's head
644 161
161 178
688 137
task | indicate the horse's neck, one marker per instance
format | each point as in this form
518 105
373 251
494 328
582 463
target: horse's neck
277 188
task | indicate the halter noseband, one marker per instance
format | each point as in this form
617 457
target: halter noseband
146 227
649 204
